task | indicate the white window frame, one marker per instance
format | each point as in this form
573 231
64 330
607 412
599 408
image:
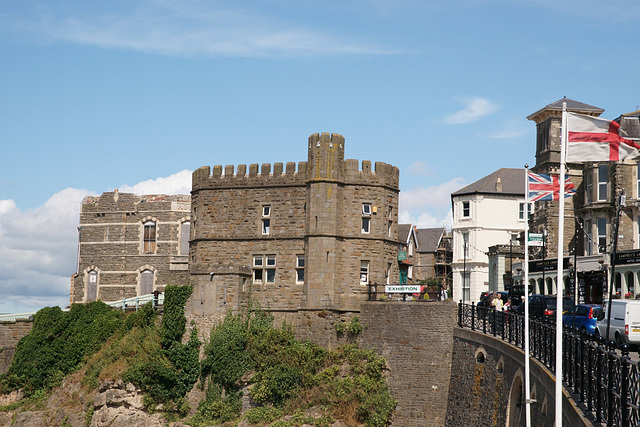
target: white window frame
521 211
258 269
266 220
466 209
364 272
299 269
602 235
588 187
603 184
366 209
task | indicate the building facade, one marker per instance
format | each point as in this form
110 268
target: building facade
131 245
488 212
434 256
310 238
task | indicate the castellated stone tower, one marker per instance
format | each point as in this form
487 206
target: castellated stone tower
297 241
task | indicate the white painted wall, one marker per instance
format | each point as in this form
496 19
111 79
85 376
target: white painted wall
492 221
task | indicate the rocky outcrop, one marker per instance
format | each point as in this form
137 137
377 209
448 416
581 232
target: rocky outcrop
119 404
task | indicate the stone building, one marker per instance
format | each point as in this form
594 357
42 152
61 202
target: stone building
131 245
590 215
310 238
407 256
434 255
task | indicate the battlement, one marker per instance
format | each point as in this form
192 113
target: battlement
325 162
261 175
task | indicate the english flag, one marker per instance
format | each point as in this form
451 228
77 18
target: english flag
592 139
547 187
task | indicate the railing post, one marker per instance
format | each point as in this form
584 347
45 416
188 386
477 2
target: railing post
610 386
601 358
460 308
624 388
473 316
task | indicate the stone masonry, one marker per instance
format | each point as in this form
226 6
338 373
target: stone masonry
305 239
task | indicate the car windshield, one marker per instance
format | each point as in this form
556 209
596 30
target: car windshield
566 303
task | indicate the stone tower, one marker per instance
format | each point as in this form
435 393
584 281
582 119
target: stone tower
325 203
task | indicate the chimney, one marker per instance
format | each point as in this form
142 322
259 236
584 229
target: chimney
499 185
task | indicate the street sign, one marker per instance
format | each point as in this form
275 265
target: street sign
536 239
402 256
402 289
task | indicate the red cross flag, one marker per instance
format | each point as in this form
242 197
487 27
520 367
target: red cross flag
592 139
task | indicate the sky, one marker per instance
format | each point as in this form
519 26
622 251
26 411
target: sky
135 95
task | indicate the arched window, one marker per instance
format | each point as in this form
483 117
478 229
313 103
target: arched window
149 238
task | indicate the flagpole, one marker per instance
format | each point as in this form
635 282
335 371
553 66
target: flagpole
560 281
527 380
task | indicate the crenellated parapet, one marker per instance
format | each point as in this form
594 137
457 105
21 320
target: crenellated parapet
325 164
255 175
383 175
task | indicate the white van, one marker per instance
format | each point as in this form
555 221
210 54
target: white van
625 321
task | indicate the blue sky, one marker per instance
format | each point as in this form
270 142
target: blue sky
135 95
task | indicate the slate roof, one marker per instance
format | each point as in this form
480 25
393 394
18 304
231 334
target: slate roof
575 106
512 181
429 239
403 232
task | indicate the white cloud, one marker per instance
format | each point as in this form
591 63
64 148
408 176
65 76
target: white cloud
178 183
38 248
476 108
419 168
193 29
428 206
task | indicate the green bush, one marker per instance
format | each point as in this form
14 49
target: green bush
171 370
58 344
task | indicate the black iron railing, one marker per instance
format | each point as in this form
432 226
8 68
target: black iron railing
605 382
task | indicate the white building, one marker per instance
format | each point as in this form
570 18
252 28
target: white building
489 212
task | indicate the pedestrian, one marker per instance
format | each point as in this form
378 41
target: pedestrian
498 304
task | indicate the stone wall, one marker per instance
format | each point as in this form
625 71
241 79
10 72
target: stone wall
10 334
416 338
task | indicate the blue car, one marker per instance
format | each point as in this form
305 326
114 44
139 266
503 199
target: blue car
582 317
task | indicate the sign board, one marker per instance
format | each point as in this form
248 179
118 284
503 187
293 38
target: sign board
402 256
628 257
402 289
536 239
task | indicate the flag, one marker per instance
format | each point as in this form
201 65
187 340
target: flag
547 187
592 139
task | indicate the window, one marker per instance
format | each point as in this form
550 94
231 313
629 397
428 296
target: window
266 220
587 238
588 186
388 275
410 272
603 177
638 181
366 218
264 269
389 220
602 235
364 272
465 244
185 229
149 238
466 286
521 211
300 269
257 268
466 210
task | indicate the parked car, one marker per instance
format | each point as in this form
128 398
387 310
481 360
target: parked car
544 306
582 317
625 321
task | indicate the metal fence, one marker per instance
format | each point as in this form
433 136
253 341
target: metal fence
157 298
605 382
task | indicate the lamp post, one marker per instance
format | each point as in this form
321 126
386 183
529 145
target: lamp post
544 254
